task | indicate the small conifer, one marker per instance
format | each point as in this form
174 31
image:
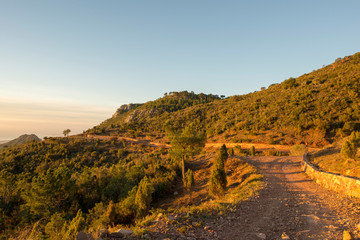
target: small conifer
143 196
348 150
218 180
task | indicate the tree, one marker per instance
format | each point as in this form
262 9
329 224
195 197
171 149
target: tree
72 228
252 151
348 150
50 192
189 180
355 139
54 228
223 154
185 143
218 180
143 196
66 132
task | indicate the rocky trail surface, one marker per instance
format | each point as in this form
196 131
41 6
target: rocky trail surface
291 206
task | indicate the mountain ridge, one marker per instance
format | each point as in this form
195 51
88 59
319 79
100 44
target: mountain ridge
315 109
20 140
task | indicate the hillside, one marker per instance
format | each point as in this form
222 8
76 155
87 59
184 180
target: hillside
315 109
121 172
20 140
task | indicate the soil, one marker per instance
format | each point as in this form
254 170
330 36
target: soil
290 205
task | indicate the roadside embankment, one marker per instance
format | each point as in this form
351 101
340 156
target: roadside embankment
346 185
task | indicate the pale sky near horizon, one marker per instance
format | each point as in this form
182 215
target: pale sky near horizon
70 64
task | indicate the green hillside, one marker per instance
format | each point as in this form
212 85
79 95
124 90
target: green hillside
54 187
315 109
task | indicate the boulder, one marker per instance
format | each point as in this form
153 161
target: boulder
116 235
84 236
102 233
125 232
261 235
171 218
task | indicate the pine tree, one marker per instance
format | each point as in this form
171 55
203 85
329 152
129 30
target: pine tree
347 150
72 228
218 180
355 139
252 151
223 154
143 196
185 143
189 180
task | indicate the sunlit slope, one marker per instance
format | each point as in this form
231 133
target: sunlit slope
314 109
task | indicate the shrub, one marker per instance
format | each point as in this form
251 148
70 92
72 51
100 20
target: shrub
72 228
231 152
298 149
348 150
54 227
189 180
355 139
252 151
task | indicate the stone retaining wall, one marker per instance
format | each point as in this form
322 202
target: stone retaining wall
346 185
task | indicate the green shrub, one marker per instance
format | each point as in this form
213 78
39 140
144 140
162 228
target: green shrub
252 151
348 150
298 149
189 180
72 228
355 139
53 229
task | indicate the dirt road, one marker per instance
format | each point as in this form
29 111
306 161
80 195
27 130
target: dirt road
290 204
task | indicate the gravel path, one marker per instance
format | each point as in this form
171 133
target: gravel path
290 205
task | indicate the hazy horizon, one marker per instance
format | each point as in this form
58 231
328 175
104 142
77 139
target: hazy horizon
71 64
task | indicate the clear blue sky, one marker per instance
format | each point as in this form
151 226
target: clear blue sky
70 64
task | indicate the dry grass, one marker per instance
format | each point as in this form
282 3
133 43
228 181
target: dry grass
330 160
244 181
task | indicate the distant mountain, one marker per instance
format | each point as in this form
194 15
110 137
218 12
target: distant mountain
315 109
20 140
3 141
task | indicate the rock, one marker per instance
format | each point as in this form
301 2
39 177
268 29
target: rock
116 235
125 232
347 235
285 236
102 233
261 235
126 108
84 236
171 218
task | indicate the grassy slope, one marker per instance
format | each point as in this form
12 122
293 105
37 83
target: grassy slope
314 109
330 160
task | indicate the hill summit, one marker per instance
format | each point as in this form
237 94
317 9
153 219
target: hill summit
20 140
315 109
